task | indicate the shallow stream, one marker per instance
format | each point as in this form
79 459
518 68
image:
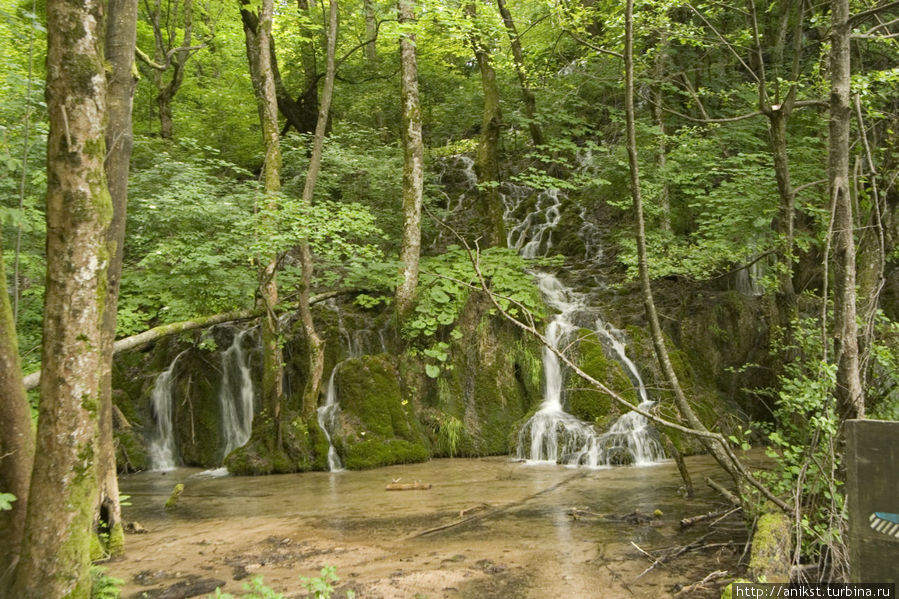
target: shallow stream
510 530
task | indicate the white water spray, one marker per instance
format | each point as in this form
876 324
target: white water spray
327 421
236 396
161 448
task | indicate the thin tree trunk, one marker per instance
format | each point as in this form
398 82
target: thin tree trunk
487 163
121 32
16 441
658 340
850 398
371 54
55 560
659 115
259 53
316 344
413 166
527 94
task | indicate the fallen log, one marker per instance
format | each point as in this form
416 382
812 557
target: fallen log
688 522
416 486
32 380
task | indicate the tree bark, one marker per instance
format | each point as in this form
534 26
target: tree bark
316 343
16 441
527 94
371 55
487 163
55 560
658 340
850 398
121 33
413 166
259 53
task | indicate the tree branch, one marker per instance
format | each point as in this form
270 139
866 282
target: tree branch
859 17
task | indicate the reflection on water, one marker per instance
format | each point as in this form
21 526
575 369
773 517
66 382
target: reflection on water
527 531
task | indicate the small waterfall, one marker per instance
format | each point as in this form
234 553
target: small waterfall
161 449
552 435
327 421
236 396
747 279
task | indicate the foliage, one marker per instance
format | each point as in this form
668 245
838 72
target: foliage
805 447
6 501
103 586
320 587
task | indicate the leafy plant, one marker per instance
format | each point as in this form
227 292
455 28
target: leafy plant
6 500
103 586
321 586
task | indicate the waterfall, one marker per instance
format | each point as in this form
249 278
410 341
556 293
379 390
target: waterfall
161 448
552 435
327 421
236 396
748 279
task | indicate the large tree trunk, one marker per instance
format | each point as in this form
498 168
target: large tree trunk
16 440
55 560
850 398
121 32
413 166
487 163
316 344
527 94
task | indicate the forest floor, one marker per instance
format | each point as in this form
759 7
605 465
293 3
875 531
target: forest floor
488 528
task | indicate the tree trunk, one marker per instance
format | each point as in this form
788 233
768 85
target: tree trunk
658 340
55 559
527 94
169 58
850 398
371 55
316 344
121 33
413 166
659 116
487 163
259 54
16 441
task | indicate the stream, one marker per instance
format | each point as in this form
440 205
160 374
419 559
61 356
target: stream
517 537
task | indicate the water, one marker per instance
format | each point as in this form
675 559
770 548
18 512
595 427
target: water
327 421
236 396
526 545
553 435
161 449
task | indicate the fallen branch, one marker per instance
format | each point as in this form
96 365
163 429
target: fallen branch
416 486
701 584
156 333
688 522
724 492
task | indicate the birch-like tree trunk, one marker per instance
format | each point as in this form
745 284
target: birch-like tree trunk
850 398
121 33
316 343
55 560
413 165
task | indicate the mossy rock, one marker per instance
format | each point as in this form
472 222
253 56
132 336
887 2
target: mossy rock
590 404
197 410
131 454
378 427
260 456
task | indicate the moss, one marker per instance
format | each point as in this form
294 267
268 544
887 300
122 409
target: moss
770 556
131 455
116 543
197 418
172 501
372 453
587 403
97 551
260 456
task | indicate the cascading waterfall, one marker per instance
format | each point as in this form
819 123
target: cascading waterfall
161 449
552 435
236 396
327 421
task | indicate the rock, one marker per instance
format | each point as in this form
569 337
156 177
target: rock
189 587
